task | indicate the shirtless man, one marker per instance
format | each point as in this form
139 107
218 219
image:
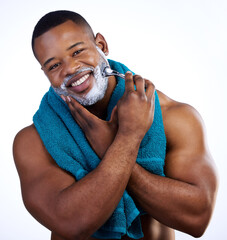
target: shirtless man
183 200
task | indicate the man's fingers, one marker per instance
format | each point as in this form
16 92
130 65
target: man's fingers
129 84
82 116
150 89
140 84
76 110
114 116
76 107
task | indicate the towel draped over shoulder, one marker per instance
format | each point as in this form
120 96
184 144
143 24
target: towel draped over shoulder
68 146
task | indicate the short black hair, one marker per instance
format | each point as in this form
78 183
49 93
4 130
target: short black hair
55 18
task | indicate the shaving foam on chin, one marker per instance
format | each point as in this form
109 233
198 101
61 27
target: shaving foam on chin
62 89
98 89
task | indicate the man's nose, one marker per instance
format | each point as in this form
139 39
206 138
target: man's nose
70 67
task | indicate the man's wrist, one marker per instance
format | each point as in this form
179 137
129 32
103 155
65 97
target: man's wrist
128 140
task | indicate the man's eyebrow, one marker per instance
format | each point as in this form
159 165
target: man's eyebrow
47 61
50 59
74 45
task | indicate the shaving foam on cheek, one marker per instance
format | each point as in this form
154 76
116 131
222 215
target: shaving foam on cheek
99 87
103 58
62 89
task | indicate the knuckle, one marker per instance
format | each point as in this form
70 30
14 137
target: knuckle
131 94
138 78
128 80
85 128
128 96
78 110
153 86
149 83
91 124
128 75
143 97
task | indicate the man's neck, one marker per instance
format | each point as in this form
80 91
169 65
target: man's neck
100 108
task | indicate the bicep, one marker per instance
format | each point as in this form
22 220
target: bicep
41 179
188 158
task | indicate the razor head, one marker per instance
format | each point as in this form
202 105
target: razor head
106 70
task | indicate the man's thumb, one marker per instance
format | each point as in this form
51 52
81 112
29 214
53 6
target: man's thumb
114 116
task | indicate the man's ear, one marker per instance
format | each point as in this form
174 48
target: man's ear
101 43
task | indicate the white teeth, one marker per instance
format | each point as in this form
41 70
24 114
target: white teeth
80 81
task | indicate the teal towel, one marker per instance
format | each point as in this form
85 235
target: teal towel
67 144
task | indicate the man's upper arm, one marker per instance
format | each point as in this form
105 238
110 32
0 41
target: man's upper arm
69 208
185 198
188 158
41 179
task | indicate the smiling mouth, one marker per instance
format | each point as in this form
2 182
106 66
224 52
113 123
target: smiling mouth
78 78
80 81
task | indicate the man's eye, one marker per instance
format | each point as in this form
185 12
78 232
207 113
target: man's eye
52 67
77 52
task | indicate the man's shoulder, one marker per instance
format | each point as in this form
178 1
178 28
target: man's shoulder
180 118
24 141
171 108
26 135
28 147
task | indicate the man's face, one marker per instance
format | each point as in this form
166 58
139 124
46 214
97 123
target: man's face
69 57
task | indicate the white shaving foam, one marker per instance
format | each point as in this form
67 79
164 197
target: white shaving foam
99 87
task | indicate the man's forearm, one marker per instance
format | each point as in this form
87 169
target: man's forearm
174 203
88 203
100 191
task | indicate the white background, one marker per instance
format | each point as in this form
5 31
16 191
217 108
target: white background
179 45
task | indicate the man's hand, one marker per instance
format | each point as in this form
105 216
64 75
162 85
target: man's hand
54 197
98 132
136 107
133 114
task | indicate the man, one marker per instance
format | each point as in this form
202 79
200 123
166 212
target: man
72 208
